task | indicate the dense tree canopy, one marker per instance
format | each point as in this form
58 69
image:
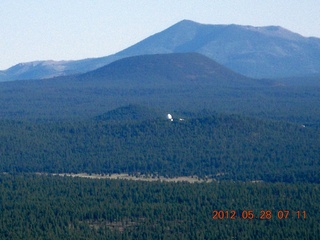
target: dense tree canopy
51 207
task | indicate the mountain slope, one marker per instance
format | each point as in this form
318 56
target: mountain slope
253 51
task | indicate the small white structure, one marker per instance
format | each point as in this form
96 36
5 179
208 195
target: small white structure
169 116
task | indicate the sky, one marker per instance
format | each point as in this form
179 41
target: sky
72 29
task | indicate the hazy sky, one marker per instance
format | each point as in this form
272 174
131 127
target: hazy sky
72 29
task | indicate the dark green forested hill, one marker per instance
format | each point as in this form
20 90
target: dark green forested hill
130 114
216 145
48 207
168 69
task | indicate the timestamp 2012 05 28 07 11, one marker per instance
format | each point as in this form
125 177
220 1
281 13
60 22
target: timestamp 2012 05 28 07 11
262 215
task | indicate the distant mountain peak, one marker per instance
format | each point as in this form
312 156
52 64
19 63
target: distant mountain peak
187 22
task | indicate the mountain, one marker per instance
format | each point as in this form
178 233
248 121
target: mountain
174 67
261 52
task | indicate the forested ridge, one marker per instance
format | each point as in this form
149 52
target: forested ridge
52 207
219 146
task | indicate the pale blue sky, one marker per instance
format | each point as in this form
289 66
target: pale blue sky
72 29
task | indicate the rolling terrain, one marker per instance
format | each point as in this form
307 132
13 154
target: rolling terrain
186 81
256 141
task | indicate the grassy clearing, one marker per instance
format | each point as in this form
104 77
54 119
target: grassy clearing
124 176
